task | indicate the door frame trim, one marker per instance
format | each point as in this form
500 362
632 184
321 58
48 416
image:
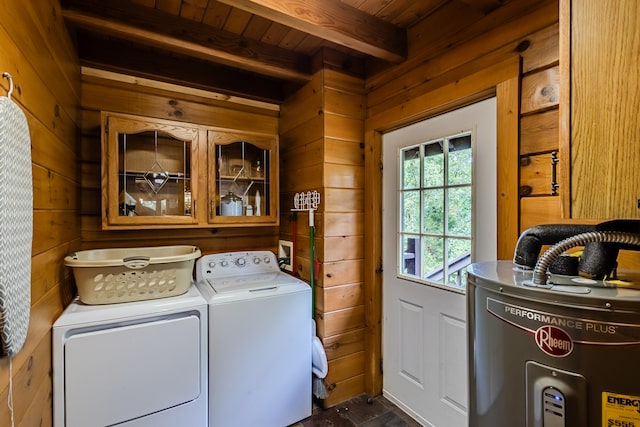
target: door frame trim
500 80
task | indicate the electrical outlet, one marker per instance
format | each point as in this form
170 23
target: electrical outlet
285 250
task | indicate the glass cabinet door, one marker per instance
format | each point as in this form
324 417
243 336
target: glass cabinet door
152 170
245 180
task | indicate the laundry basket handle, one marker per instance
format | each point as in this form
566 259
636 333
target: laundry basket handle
136 262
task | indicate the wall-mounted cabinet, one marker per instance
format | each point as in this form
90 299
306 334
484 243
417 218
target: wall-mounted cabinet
164 174
243 178
600 41
149 172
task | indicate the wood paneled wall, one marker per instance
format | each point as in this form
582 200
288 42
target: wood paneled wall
36 50
322 127
541 198
123 94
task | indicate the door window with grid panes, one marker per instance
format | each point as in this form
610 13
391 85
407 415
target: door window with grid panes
436 211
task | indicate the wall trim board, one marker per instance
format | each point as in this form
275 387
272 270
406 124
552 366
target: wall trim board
171 87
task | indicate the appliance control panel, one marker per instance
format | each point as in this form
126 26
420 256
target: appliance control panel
236 264
553 403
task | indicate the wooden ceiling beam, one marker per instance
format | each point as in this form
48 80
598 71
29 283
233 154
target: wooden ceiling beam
121 57
129 21
334 21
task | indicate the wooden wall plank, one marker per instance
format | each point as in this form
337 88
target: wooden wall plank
459 14
339 272
52 227
344 103
343 176
29 380
191 93
539 132
340 297
49 272
50 151
542 50
344 199
309 131
540 90
302 178
344 344
40 410
346 367
303 105
340 223
535 175
52 191
441 100
110 97
344 390
342 248
343 128
302 156
507 164
343 152
539 210
344 82
341 321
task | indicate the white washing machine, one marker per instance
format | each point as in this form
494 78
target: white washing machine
260 335
134 364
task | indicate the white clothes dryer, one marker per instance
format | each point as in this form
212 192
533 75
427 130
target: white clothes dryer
260 335
135 364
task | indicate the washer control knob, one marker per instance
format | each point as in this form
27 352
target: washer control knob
223 263
267 260
256 260
212 264
240 262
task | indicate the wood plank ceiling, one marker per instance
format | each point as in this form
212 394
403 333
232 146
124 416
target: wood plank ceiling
262 49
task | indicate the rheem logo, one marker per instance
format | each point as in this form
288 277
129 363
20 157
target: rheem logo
554 341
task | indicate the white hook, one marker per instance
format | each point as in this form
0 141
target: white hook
8 76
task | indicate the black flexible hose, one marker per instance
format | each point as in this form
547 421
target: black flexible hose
540 270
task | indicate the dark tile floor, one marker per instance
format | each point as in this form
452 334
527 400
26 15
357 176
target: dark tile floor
361 411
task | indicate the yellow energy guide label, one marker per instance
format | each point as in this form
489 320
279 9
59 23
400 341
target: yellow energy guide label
620 410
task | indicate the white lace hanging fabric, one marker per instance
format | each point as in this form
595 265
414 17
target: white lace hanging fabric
16 225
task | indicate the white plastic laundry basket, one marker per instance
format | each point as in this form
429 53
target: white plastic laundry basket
105 276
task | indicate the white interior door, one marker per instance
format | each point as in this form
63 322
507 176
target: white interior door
424 302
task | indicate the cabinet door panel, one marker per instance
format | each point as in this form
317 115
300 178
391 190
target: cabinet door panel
149 171
605 126
243 178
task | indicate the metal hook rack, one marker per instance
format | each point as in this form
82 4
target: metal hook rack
306 201
8 77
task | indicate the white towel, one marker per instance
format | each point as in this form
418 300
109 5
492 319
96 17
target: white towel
16 226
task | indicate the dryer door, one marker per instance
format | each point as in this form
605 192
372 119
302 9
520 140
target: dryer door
114 375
